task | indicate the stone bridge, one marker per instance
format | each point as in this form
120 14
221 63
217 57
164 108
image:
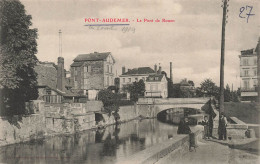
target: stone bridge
150 107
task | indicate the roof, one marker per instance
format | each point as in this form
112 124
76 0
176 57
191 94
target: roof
76 64
140 70
247 52
155 78
93 57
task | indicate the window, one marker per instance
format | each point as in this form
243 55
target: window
255 72
156 78
107 80
85 81
48 91
255 82
75 71
255 62
111 70
123 80
246 84
107 68
246 73
87 68
245 62
75 78
129 79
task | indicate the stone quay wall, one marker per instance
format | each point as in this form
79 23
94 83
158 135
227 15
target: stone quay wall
177 146
54 119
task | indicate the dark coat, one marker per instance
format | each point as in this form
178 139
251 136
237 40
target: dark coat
183 128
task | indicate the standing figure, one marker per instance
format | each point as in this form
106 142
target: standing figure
183 127
211 120
222 131
205 123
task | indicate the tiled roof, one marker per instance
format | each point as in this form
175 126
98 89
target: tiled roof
140 70
76 64
154 78
247 52
92 56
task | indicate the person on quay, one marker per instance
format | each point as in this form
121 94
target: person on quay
222 130
205 123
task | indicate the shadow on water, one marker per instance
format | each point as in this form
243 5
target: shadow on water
107 145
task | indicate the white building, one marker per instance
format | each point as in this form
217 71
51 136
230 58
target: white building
248 75
133 75
156 86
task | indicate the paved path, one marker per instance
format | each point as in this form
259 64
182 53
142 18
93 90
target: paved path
211 152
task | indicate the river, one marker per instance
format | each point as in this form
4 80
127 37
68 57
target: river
109 145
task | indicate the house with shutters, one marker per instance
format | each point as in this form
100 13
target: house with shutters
248 75
134 75
156 86
92 72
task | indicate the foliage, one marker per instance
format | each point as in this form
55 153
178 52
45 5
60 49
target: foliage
135 89
18 47
208 88
227 94
191 83
110 100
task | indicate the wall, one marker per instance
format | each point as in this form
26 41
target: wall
94 77
176 146
49 120
19 129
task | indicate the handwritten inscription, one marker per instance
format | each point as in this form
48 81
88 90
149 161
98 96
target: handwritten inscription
124 29
246 12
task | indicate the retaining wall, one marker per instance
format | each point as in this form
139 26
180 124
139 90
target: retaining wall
177 145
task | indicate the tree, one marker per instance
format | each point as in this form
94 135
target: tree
227 94
135 89
110 100
208 88
191 83
18 47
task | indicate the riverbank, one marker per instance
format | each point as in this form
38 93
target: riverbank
211 151
108 145
59 119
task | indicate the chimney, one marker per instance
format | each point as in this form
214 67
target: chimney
123 69
171 71
155 68
160 70
60 74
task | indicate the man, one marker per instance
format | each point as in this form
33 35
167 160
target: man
183 127
222 131
205 123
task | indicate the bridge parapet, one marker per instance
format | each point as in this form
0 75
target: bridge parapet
173 100
150 107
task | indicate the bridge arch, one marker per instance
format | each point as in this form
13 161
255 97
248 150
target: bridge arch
149 108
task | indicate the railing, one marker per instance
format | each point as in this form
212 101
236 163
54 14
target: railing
246 89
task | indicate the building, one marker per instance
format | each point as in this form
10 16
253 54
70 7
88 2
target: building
248 75
92 72
156 86
53 86
133 75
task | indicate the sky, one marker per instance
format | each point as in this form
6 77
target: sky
192 42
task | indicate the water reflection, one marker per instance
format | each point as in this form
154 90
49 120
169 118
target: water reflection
102 146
